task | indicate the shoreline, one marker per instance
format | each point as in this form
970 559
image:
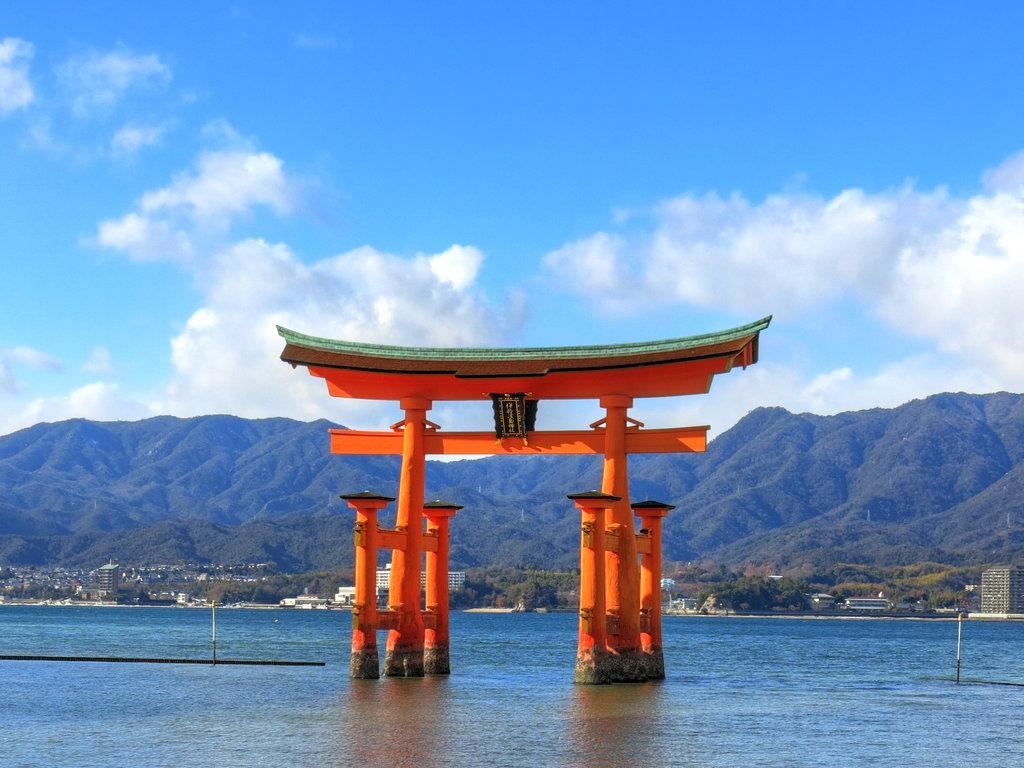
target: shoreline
827 616
490 610
886 616
229 606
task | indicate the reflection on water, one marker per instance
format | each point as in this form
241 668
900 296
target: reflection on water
738 692
394 721
452 721
616 725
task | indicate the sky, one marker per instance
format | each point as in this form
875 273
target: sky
178 179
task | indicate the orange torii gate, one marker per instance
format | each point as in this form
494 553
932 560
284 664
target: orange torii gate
620 568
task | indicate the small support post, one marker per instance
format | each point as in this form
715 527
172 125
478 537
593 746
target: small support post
959 636
592 644
213 630
404 655
436 638
651 513
365 663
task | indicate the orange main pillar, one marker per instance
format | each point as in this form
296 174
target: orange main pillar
404 656
592 644
650 514
365 664
435 648
622 576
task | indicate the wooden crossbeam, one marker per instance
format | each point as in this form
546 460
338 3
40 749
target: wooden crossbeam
643 544
389 619
350 442
389 538
611 540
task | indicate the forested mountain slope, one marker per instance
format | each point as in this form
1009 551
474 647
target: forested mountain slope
940 478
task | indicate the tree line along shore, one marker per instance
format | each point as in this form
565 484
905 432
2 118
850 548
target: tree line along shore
920 588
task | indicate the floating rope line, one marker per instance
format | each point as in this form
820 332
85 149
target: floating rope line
143 660
990 682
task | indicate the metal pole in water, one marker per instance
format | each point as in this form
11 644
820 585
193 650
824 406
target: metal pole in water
959 634
214 620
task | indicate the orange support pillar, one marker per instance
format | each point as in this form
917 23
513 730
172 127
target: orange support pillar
592 644
622 576
436 638
364 664
650 514
404 656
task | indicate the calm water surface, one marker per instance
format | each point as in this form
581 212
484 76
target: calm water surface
764 692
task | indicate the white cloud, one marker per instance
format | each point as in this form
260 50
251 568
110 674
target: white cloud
227 356
132 137
40 135
597 264
221 133
7 381
201 204
98 81
15 87
10 357
99 362
145 239
101 401
32 358
963 291
942 269
226 184
457 266
790 252
946 270
768 383
1008 176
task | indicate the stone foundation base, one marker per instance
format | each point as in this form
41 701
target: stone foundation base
633 666
435 660
626 666
654 663
403 663
364 665
591 668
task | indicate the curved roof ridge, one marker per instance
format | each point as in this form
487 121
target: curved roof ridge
521 353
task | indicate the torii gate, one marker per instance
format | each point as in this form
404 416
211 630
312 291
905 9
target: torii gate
619 636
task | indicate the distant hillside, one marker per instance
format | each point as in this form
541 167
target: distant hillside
940 479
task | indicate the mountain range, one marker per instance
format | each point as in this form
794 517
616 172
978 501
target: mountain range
938 479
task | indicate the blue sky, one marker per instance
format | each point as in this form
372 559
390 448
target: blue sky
176 179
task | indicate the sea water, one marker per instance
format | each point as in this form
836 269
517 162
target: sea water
739 692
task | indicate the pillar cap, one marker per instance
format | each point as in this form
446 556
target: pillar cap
652 504
616 401
415 404
593 496
438 504
366 496
650 509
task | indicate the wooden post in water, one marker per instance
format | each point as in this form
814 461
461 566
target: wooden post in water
404 656
592 640
213 629
436 638
650 514
622 589
365 663
959 631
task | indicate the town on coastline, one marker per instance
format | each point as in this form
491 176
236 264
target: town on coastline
1000 593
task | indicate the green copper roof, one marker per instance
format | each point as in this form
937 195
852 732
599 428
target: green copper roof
521 353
